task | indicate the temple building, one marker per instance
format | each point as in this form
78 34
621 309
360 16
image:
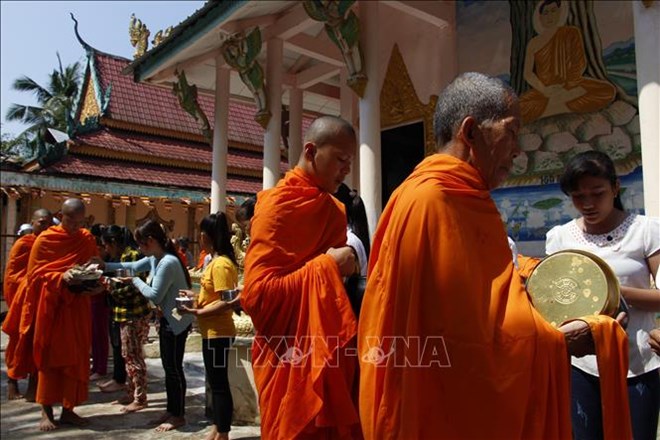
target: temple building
240 75
135 153
587 74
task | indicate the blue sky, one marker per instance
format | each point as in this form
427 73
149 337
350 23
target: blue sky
31 32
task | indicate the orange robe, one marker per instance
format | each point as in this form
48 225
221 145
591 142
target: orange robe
14 286
62 333
562 61
305 325
449 344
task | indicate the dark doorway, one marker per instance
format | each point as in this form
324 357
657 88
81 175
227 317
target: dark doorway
402 148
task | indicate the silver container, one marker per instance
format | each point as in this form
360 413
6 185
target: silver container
183 301
123 272
229 294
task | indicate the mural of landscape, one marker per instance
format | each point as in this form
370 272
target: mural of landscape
573 66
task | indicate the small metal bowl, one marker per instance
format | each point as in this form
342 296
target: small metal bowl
123 272
229 294
573 283
183 301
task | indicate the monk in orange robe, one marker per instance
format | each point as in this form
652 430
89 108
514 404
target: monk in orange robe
14 286
449 344
62 333
305 327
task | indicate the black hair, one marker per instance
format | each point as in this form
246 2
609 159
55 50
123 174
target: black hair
216 228
473 94
153 229
549 2
119 235
356 214
97 230
246 211
589 163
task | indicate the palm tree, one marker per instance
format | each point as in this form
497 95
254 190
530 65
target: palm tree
55 101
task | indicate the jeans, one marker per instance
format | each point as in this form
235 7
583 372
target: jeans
216 358
118 365
172 348
586 414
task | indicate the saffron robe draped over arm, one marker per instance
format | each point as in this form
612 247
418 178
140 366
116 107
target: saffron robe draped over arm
449 344
18 362
62 334
303 318
16 266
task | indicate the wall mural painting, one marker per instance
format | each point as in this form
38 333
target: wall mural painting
575 95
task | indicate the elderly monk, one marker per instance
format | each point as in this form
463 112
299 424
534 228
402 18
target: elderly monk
449 344
62 333
295 295
19 364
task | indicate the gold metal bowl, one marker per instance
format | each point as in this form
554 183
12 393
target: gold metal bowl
573 283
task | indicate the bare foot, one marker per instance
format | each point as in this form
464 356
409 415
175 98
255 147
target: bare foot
161 419
47 420
221 436
170 424
104 383
133 407
12 390
68 417
125 400
95 376
31 393
111 387
211 435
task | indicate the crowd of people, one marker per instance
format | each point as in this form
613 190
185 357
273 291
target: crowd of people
444 342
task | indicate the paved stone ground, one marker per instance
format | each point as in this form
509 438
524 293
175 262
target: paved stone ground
19 419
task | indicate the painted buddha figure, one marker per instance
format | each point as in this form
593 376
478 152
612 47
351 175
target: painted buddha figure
555 62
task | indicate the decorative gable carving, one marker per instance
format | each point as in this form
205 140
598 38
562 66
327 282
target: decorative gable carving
399 104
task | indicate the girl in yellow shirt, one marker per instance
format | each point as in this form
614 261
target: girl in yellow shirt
214 317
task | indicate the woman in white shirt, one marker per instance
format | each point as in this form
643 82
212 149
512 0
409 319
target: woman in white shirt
630 244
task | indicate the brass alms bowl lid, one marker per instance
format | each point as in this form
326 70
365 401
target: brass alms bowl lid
573 283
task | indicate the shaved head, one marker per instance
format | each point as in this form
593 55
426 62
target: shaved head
72 205
328 150
73 215
328 128
41 220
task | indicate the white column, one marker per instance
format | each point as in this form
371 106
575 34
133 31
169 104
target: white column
370 155
10 229
647 55
346 107
273 135
220 138
295 125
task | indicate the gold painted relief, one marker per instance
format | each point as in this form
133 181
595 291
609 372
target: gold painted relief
399 104
90 107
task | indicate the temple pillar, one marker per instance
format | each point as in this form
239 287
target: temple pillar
347 112
295 125
647 54
10 228
370 150
273 134
220 138
111 213
130 215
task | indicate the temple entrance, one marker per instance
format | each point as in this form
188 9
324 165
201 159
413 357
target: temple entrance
402 148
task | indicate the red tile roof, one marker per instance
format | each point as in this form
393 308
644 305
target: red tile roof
135 143
154 106
125 172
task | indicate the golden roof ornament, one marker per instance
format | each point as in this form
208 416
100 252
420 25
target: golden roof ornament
139 35
160 36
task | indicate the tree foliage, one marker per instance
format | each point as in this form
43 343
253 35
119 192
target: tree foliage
55 101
